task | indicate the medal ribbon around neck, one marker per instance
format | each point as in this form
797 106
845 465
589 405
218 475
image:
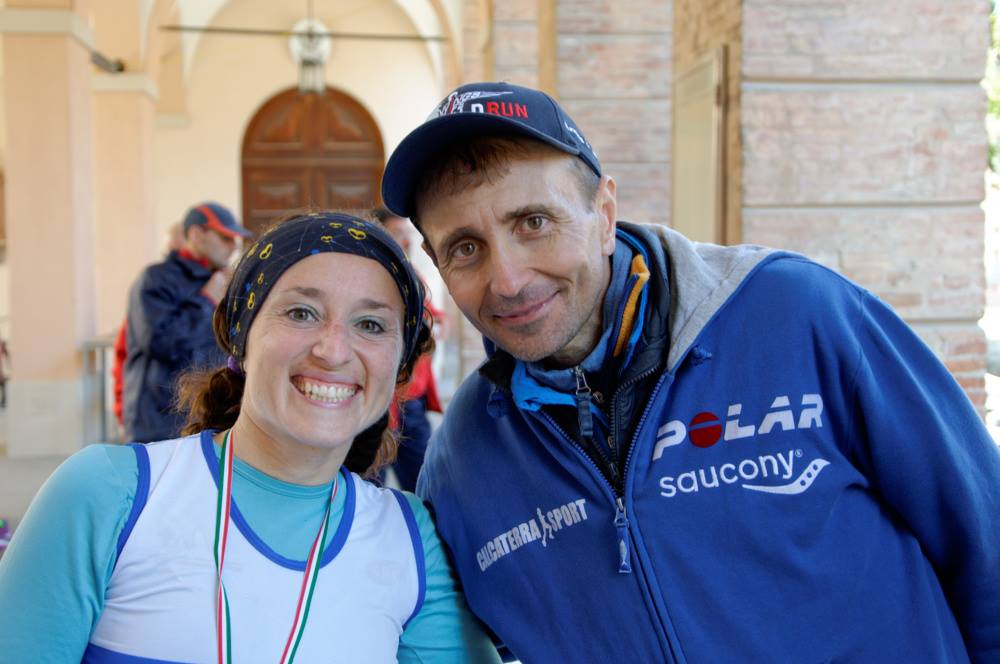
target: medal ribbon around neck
222 520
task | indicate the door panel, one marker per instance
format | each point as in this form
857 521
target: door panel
271 193
310 151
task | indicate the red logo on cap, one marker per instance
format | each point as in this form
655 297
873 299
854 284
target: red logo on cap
470 102
508 110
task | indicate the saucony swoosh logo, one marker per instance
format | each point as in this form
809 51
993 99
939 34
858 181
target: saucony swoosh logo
801 483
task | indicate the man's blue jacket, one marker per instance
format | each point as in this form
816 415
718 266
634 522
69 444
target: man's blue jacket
169 329
802 481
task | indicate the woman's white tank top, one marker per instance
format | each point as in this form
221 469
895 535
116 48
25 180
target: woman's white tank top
160 602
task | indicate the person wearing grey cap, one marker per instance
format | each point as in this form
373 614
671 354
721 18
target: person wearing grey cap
678 451
169 320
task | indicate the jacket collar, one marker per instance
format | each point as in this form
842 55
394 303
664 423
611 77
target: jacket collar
194 267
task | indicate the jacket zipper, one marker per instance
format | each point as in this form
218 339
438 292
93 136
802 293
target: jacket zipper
585 421
582 397
621 522
621 519
642 418
664 621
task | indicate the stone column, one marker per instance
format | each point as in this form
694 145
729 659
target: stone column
50 221
126 229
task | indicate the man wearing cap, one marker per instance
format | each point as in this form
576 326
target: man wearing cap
169 320
677 451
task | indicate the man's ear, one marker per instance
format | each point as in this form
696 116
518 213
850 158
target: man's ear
606 204
430 252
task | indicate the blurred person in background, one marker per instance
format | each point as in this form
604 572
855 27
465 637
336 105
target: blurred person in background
175 241
169 320
419 395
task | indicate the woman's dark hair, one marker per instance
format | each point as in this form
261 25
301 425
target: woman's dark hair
211 399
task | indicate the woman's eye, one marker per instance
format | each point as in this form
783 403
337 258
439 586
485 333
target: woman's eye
372 326
301 315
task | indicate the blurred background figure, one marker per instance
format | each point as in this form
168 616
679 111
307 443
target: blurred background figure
175 242
169 320
419 395
5 534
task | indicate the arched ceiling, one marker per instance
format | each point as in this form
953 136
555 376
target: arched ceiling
424 17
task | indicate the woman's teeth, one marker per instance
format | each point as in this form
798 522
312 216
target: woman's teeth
327 393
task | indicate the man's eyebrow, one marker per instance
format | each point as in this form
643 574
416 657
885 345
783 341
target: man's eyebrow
528 210
454 236
513 215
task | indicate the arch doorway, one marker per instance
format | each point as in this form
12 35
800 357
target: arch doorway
320 151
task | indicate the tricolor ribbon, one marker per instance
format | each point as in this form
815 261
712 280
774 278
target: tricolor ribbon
224 645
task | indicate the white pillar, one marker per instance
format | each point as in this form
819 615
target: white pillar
50 227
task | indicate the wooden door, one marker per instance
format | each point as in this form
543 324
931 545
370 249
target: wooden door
310 151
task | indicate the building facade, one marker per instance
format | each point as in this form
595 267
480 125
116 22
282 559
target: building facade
849 130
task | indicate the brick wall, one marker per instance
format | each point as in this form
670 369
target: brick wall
475 64
864 147
614 71
515 41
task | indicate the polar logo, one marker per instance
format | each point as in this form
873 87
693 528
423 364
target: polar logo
705 429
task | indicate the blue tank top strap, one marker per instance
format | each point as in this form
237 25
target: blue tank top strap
98 655
418 551
141 493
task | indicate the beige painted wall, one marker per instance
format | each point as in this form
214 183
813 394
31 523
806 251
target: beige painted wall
4 279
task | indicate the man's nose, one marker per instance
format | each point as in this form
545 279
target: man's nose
509 271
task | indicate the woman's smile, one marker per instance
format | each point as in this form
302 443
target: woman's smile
322 392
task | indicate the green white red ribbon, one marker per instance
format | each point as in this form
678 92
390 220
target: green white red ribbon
224 644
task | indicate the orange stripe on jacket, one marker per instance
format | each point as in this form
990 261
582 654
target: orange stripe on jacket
640 270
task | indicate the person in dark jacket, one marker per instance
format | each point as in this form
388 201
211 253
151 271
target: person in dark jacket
175 242
169 320
677 451
408 414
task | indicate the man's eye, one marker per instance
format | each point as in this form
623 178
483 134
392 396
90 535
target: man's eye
464 249
534 223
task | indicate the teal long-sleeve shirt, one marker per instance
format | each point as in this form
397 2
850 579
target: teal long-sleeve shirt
54 574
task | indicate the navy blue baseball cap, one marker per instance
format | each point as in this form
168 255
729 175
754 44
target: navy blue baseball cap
472 111
216 217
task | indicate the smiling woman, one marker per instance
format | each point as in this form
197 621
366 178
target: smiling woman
256 536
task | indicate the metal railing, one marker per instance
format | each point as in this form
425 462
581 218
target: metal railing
99 358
